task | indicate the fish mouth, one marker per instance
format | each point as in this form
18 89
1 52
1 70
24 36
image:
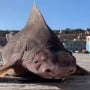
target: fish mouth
57 76
54 78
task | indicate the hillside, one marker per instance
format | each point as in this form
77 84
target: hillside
73 39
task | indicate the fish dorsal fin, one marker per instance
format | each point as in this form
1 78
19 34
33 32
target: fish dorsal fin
37 29
36 19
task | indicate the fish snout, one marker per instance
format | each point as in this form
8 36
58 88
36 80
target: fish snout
48 71
58 73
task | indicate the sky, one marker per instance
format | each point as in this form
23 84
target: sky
59 14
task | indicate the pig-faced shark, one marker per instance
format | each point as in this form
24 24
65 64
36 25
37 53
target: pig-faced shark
37 49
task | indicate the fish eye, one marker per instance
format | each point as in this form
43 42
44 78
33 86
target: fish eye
35 61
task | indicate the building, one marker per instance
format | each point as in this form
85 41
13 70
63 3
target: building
74 46
88 43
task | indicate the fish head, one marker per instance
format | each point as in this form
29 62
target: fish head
51 65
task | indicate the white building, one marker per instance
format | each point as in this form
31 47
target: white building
88 43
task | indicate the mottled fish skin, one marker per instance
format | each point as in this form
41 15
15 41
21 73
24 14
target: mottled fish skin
37 49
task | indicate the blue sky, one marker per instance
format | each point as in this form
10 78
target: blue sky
59 14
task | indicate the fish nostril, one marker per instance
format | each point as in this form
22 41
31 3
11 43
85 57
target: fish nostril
48 71
71 71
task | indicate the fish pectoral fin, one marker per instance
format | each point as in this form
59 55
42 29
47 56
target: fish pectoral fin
81 71
6 71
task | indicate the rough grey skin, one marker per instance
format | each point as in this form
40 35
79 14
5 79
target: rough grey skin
37 49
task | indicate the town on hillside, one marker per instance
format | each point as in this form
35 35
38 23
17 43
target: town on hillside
73 39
